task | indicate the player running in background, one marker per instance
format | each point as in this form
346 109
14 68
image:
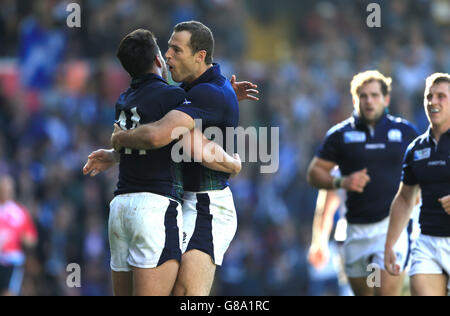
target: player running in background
16 232
368 148
426 168
328 202
209 215
145 223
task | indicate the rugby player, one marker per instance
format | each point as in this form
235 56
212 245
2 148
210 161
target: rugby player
426 169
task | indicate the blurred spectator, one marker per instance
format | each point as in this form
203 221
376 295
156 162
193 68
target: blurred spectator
17 234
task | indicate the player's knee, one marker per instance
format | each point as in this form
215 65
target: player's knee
179 289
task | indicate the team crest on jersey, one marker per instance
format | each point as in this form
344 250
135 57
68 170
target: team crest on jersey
354 137
395 135
422 154
186 102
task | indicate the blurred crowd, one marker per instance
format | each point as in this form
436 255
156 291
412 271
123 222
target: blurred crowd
58 88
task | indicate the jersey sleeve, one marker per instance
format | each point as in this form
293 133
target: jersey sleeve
329 150
201 103
408 176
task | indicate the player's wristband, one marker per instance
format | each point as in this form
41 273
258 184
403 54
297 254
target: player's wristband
337 182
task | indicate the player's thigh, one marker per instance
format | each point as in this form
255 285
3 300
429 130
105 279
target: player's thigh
390 285
360 288
122 283
157 281
196 274
429 285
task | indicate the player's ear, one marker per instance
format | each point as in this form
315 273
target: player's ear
158 61
201 56
387 100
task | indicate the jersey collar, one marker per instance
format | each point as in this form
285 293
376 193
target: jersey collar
360 124
207 76
429 136
136 82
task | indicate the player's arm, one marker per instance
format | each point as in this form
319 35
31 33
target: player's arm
153 135
445 203
100 160
319 176
210 154
244 89
327 204
401 209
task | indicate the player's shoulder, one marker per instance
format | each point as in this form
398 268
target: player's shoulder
205 90
344 126
401 123
419 142
167 91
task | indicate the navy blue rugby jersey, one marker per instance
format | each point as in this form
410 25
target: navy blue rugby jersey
427 163
353 147
212 99
147 100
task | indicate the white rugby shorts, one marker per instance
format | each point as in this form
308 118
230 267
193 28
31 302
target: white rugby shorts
431 255
145 230
364 246
209 222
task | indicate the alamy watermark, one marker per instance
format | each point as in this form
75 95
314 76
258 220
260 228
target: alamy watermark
74 278
74 18
374 18
257 145
374 278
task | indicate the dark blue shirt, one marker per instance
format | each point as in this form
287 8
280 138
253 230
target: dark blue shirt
147 100
212 99
427 163
353 147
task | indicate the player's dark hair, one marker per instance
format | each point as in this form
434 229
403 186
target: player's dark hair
137 52
201 38
441 79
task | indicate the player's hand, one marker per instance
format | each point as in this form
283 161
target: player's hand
319 256
115 138
99 161
390 262
357 181
445 202
244 89
237 165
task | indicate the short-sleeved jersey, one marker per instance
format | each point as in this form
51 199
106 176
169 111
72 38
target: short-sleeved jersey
212 99
15 224
427 164
148 100
353 146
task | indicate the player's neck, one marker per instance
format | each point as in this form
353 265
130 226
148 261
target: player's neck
201 70
438 131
